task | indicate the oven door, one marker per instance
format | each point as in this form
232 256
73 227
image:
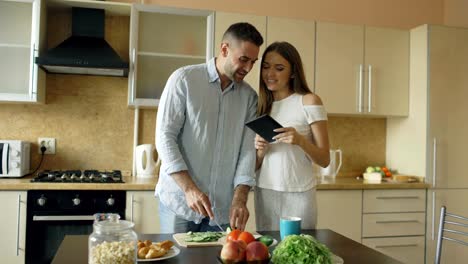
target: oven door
46 232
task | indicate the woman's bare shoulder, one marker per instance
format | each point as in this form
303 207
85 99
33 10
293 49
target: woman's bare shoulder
311 99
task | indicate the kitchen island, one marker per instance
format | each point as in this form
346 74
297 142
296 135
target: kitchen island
74 249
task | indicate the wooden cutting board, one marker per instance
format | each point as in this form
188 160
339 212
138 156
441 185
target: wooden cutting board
180 239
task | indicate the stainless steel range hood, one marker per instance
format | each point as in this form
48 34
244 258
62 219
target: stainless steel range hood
86 51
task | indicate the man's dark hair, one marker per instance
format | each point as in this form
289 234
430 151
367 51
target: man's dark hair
245 32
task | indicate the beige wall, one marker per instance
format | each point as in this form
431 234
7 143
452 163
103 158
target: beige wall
393 13
88 115
456 13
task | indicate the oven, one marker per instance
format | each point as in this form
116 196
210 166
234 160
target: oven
53 214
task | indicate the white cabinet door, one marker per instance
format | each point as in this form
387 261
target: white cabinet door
301 34
340 211
386 57
223 20
143 209
13 227
362 70
163 39
448 84
339 63
21 79
455 201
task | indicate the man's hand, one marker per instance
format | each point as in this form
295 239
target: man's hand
239 213
195 198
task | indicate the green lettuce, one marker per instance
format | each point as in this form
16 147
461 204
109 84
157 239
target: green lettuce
301 249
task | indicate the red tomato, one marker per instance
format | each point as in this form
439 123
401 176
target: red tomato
233 235
246 237
388 174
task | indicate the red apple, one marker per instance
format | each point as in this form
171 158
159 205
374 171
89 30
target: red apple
256 250
233 251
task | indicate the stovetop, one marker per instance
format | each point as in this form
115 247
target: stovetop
79 176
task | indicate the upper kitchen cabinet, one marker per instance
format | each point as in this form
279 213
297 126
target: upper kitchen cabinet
301 34
162 40
362 70
446 94
223 21
20 42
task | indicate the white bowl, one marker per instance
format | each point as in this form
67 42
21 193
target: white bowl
372 177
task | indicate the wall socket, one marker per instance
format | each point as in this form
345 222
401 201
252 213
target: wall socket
49 143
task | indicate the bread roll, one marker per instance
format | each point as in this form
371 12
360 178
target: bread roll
142 252
154 253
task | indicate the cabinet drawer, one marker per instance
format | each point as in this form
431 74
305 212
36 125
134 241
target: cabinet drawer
388 201
400 224
404 249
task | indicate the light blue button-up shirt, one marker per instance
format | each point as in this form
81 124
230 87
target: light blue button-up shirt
201 128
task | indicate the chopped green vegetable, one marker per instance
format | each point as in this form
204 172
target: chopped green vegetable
301 249
203 236
266 239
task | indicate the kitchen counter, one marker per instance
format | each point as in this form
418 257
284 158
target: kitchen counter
74 249
130 184
146 184
353 183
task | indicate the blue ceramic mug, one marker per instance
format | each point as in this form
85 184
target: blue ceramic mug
290 225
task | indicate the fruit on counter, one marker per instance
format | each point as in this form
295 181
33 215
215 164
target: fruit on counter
384 171
266 239
256 251
233 235
246 237
233 251
241 246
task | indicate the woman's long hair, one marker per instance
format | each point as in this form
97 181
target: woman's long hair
297 82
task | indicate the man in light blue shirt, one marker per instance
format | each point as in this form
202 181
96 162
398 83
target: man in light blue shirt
207 153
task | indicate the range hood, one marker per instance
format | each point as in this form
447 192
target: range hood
86 51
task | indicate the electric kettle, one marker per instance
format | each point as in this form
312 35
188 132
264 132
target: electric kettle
145 163
335 164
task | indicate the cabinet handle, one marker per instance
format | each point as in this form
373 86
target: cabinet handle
131 208
31 77
433 215
133 75
369 98
18 225
434 162
396 197
400 245
396 221
361 70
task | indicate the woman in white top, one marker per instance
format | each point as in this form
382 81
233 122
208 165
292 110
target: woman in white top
286 178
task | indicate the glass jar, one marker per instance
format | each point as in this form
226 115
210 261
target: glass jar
112 241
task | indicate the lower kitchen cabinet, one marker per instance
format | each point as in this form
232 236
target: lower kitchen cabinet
13 228
340 211
393 222
405 249
142 209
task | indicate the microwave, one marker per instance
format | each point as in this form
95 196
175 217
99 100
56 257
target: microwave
14 158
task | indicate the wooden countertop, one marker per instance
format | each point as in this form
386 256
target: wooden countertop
148 184
130 184
353 183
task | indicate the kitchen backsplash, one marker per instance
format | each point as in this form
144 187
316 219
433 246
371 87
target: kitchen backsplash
89 117
93 127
